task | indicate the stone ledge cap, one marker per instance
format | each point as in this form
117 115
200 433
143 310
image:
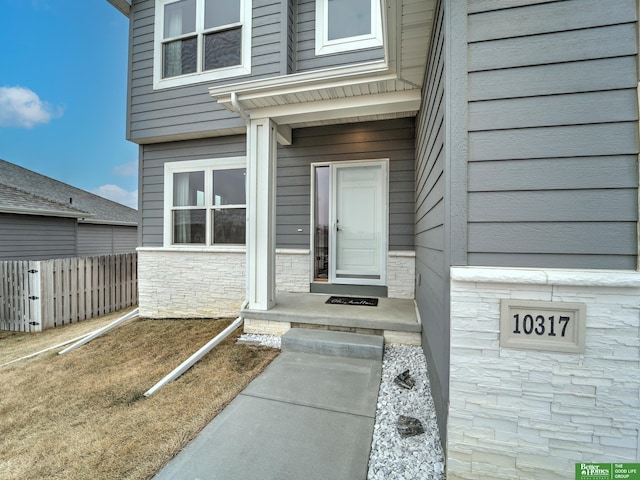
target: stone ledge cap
548 276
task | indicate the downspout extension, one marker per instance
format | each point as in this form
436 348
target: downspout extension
193 359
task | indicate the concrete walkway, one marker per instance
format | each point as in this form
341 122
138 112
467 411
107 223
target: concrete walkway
307 416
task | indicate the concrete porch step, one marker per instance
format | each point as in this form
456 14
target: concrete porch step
337 344
395 318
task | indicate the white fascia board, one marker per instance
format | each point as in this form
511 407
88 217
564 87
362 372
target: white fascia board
297 82
360 106
123 6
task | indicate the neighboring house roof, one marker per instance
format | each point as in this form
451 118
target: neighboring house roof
25 191
14 200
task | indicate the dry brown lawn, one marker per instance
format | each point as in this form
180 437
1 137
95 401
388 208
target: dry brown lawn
83 415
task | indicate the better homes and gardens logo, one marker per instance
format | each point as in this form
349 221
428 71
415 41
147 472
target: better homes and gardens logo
607 471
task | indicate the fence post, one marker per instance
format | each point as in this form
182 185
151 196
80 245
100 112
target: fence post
48 300
73 290
34 295
22 297
5 316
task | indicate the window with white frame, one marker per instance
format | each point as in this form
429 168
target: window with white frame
205 202
201 40
344 25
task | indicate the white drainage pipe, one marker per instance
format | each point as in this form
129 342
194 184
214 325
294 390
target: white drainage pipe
188 363
100 331
55 347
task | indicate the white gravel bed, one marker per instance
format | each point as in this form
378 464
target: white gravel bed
271 341
393 457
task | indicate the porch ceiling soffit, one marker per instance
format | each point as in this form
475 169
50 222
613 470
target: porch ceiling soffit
303 100
123 6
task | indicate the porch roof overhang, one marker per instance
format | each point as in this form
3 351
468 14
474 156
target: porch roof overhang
363 92
123 6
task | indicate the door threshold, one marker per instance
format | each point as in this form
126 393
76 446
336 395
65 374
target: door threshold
358 290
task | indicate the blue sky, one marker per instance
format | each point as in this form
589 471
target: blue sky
63 84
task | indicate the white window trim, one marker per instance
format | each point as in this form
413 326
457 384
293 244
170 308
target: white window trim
207 165
324 46
211 75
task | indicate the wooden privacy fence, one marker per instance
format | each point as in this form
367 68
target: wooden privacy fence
36 295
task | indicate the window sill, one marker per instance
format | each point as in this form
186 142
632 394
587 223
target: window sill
195 249
192 78
348 45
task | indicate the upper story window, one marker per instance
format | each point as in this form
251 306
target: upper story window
205 202
344 25
201 40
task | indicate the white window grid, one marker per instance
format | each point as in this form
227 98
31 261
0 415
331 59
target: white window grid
208 166
200 75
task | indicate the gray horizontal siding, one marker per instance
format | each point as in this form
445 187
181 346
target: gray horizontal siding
548 260
551 79
584 238
125 239
388 139
152 172
554 205
475 6
189 111
430 211
105 239
542 17
569 109
31 237
603 42
306 58
573 173
553 134
391 139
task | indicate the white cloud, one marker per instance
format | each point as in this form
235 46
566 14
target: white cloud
127 169
118 194
21 107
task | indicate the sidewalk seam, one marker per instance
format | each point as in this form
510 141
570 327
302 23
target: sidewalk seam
308 406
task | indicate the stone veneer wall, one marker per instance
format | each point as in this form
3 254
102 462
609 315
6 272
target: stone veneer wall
292 270
523 414
401 274
196 283
190 283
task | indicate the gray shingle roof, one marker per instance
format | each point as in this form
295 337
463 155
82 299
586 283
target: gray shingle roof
31 191
16 201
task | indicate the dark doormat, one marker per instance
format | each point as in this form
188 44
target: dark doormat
362 301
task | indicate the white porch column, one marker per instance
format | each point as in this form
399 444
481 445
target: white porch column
261 213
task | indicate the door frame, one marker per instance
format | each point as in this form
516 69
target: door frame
384 245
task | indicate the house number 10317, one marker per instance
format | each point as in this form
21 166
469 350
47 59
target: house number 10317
540 325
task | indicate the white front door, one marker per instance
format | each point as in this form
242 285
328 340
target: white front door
358 233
